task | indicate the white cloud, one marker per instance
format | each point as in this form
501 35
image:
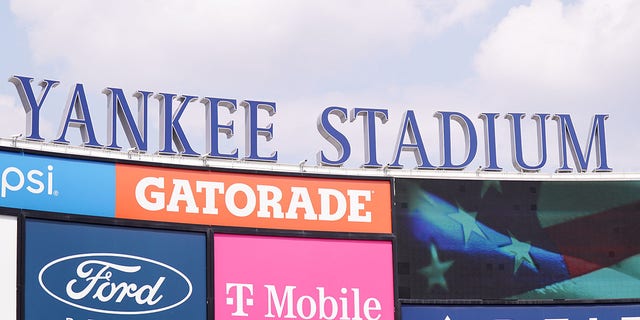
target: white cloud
223 45
543 57
581 58
219 42
286 51
566 51
12 120
444 14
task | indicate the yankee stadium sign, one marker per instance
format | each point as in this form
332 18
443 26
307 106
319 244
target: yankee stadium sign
173 139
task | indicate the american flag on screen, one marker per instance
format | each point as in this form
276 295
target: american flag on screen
518 239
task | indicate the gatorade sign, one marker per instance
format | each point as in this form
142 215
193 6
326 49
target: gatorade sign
248 200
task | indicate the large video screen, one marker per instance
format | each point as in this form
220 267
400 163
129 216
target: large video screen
531 240
522 312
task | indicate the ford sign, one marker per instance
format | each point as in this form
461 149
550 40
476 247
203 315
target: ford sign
114 283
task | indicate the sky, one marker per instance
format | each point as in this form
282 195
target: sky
578 57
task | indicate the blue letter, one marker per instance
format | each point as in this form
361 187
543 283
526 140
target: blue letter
119 108
516 141
369 124
170 128
471 140
565 127
214 128
30 104
78 102
337 139
252 131
410 126
490 156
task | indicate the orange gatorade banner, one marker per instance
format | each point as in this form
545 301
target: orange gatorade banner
251 200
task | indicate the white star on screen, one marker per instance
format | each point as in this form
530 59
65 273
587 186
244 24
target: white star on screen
486 184
436 270
520 251
468 222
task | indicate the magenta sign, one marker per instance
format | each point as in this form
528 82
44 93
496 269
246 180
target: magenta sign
262 277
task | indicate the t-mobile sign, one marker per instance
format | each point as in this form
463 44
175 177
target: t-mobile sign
301 278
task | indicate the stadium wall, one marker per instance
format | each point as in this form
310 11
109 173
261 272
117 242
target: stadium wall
121 237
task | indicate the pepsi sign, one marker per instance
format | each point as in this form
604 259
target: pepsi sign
56 184
113 273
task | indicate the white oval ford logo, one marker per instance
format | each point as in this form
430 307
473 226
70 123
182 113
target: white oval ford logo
115 283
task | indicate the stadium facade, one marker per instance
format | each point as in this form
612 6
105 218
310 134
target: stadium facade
95 232
99 234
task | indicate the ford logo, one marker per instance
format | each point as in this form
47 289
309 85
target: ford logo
114 283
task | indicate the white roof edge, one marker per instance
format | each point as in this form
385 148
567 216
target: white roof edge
269 167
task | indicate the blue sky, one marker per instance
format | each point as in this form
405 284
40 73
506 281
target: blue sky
542 56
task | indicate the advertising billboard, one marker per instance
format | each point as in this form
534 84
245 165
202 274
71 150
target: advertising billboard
522 312
56 184
81 271
263 277
8 269
532 240
252 200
